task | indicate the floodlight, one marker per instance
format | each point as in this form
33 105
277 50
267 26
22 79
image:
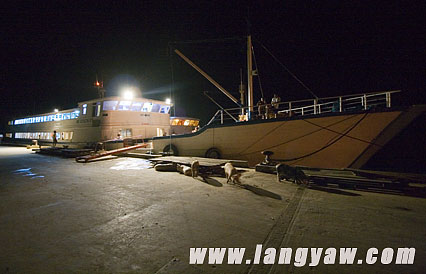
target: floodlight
128 94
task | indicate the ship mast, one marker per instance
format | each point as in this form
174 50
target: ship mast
250 102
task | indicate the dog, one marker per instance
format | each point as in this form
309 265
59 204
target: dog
231 174
195 168
185 170
290 173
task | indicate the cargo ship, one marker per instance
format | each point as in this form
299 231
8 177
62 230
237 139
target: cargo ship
333 132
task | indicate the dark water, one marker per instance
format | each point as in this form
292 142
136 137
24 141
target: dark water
406 152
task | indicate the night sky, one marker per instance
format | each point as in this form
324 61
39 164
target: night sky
51 52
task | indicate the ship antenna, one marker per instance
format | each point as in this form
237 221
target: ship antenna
100 86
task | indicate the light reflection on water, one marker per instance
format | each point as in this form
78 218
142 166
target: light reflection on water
27 172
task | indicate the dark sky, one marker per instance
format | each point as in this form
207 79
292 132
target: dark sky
51 51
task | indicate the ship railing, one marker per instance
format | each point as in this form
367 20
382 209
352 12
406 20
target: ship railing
346 103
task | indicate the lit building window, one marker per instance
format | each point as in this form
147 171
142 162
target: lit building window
84 109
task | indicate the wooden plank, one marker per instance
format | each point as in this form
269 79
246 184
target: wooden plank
85 159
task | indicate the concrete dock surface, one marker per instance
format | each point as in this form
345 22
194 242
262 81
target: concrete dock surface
121 216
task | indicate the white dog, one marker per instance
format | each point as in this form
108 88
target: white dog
195 168
231 173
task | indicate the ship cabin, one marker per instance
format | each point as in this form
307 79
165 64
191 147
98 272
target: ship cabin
98 120
183 125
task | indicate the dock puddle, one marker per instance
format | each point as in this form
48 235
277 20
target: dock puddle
27 173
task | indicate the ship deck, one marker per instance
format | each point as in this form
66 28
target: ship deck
120 215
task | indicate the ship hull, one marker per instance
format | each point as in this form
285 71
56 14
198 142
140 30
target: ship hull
326 141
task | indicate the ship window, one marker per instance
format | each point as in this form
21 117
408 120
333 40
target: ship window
175 122
193 123
160 132
155 108
164 109
96 109
126 132
52 117
8 135
110 105
124 105
136 106
84 109
147 107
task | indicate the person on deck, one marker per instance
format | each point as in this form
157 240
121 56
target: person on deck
261 108
275 102
55 140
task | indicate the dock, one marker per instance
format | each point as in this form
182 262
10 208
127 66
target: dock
121 216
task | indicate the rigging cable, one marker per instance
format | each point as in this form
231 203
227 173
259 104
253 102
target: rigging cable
329 144
292 74
288 141
326 146
355 138
345 134
219 40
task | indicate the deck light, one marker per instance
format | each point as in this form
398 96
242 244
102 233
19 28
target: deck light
128 94
56 110
168 101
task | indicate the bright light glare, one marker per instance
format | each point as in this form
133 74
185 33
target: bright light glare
128 94
56 110
168 101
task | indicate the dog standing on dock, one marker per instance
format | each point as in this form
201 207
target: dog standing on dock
232 174
195 168
290 173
